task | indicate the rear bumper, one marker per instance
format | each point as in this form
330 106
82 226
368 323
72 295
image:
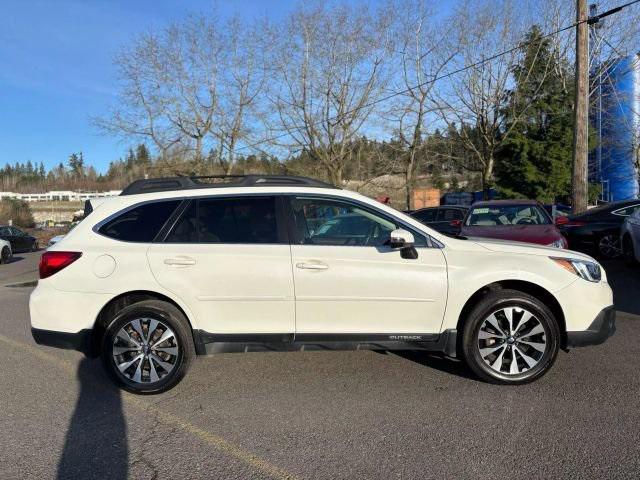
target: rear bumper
80 341
602 327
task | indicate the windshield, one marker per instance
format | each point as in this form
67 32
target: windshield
507 215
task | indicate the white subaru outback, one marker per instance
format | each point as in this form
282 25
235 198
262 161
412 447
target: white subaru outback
179 267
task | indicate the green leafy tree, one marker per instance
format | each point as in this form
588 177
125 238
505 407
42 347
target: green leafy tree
535 161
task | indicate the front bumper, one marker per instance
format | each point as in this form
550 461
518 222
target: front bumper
600 330
80 341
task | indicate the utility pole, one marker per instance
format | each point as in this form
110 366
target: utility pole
581 110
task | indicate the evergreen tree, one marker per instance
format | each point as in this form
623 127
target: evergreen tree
143 157
76 165
130 161
535 161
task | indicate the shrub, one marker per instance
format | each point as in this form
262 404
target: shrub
16 210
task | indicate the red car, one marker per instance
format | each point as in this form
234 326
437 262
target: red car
516 220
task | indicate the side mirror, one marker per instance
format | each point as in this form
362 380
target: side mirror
455 223
400 238
561 220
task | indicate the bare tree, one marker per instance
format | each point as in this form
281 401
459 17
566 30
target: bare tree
424 51
189 87
243 80
327 72
476 102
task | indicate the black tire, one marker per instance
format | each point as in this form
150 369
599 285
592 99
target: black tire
628 251
493 303
606 245
168 315
5 255
34 246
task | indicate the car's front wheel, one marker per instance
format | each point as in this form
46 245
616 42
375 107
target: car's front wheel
510 337
148 347
5 255
609 245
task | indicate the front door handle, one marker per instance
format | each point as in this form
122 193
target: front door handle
180 261
312 266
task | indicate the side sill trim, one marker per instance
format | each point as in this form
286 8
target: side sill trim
210 343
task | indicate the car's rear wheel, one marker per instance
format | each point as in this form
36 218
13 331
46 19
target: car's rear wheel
511 338
609 245
34 246
5 255
148 347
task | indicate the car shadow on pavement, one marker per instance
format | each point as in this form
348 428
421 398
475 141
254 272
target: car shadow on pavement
96 441
14 259
447 365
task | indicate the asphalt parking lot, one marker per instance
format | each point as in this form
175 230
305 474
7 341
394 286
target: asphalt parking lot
318 415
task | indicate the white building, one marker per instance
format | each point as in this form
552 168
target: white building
59 195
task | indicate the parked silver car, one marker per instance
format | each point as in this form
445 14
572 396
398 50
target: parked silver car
630 235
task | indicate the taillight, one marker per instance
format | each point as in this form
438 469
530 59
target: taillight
53 262
574 223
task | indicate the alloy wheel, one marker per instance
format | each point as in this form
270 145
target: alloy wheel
512 341
145 350
609 246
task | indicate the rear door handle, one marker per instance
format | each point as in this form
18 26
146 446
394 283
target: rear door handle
180 261
312 266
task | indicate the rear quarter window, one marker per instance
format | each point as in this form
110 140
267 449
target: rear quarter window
140 223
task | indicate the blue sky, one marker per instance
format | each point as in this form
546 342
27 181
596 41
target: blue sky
56 69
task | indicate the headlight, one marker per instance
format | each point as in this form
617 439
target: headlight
556 244
590 271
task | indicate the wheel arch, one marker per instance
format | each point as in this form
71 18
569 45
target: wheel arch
532 289
118 303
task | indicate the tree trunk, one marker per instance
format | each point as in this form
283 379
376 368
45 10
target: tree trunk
487 175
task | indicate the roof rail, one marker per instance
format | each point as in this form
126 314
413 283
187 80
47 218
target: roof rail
167 184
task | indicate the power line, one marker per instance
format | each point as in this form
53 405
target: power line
591 20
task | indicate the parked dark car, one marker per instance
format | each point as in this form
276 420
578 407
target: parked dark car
598 230
20 241
441 218
516 220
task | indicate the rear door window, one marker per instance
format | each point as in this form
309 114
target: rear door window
246 219
449 214
141 223
426 215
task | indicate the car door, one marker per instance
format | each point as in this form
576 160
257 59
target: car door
634 230
21 239
16 239
229 259
349 281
